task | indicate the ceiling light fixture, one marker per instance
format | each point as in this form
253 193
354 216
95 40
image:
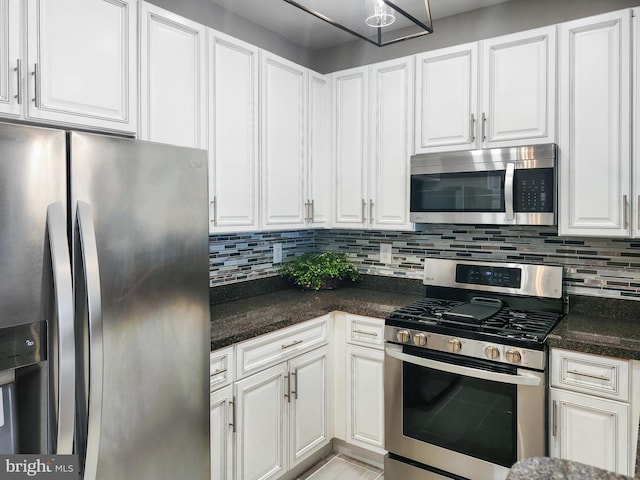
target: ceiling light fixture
381 22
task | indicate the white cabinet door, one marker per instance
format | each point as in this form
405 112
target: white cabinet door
589 430
261 419
11 64
233 134
391 123
365 398
172 78
446 99
636 122
519 79
283 142
318 208
82 62
350 123
594 112
222 427
309 407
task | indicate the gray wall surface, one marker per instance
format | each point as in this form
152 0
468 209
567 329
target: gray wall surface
503 18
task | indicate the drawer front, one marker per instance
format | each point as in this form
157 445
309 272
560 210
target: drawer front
267 350
365 331
221 367
594 374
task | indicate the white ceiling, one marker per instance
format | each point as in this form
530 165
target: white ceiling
304 29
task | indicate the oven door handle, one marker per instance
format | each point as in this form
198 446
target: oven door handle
520 379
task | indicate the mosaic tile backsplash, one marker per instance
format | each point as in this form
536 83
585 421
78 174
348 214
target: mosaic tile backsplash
592 266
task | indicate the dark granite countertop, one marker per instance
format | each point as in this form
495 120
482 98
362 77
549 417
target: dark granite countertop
600 326
241 318
545 468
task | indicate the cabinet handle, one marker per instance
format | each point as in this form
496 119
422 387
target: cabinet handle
588 375
219 371
306 211
370 211
36 85
555 418
364 211
295 384
313 211
472 127
232 407
18 71
625 211
362 332
288 389
289 345
484 123
638 225
214 213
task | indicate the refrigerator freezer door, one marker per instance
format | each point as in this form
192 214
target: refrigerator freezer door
148 205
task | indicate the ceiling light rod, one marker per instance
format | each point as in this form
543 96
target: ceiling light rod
428 29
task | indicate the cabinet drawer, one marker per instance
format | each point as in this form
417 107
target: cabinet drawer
603 376
220 368
365 331
267 350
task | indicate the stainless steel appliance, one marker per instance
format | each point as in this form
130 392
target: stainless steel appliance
504 186
104 248
465 370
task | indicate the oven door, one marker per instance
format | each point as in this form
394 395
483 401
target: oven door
462 416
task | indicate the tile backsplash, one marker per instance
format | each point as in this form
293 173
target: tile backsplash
592 266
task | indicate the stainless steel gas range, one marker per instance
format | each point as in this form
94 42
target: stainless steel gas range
465 370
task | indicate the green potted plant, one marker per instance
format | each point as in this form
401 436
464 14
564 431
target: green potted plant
317 271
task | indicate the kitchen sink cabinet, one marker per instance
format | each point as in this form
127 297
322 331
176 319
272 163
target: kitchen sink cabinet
494 93
172 78
233 134
81 68
595 125
373 124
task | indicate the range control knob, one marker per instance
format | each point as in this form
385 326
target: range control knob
403 336
513 356
420 339
492 352
454 345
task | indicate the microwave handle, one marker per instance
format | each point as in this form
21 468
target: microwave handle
519 379
508 191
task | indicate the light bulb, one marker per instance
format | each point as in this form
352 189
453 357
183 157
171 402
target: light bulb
380 18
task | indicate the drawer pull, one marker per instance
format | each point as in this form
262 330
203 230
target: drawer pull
588 375
219 371
362 332
292 344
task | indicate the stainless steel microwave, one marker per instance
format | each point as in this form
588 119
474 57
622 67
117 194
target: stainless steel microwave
500 186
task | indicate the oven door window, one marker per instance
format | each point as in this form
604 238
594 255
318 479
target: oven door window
468 415
458 192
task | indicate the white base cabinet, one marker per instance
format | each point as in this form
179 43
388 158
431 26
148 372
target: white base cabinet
222 430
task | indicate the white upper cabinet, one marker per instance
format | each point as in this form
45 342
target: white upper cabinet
318 199
350 123
81 63
283 147
233 134
446 99
495 93
172 78
519 88
11 63
391 123
594 111
636 122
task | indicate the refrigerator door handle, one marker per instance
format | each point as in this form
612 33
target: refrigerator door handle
91 273
64 349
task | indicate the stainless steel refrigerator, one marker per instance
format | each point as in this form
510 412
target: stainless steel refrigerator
104 313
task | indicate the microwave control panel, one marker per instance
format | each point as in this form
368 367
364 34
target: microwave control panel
534 190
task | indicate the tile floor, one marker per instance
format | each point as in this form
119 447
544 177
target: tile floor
339 466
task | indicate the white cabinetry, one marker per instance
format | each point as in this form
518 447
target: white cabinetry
590 412
373 124
221 415
594 112
172 78
233 134
11 61
283 147
81 63
512 101
635 139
